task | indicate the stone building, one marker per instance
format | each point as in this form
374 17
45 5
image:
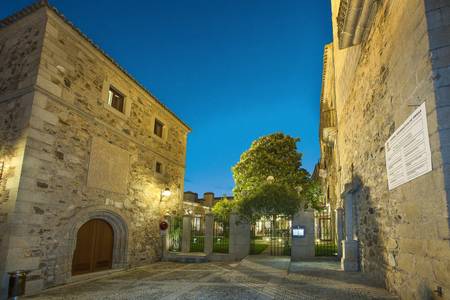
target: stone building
387 59
88 156
192 202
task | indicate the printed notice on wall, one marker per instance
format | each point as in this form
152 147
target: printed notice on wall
408 154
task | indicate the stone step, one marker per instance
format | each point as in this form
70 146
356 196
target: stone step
188 257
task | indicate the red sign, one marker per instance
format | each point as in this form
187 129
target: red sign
163 225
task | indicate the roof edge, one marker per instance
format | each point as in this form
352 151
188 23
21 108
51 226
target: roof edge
45 3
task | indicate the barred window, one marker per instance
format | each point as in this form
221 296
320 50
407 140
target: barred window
116 99
159 167
158 128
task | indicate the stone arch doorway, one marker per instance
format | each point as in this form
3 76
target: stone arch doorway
119 223
94 247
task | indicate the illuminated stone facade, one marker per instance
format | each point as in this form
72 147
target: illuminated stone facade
386 59
70 152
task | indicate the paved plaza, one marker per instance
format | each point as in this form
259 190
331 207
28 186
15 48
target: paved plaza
256 277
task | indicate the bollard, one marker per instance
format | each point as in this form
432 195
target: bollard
17 282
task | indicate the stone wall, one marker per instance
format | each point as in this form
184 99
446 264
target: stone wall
84 160
403 62
438 20
20 48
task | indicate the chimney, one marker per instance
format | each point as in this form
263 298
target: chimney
190 196
209 199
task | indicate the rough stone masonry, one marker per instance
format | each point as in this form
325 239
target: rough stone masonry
67 155
386 59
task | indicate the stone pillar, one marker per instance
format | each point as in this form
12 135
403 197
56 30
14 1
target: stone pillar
303 247
209 232
186 238
350 247
239 237
165 239
339 230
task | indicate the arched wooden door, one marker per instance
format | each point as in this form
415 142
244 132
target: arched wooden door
94 247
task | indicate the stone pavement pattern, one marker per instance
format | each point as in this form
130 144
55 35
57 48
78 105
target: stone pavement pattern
256 277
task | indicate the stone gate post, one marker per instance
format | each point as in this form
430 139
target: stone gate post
186 238
209 232
303 246
350 246
339 230
165 238
239 246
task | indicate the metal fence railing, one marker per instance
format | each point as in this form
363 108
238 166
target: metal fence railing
175 233
325 234
221 237
197 233
271 235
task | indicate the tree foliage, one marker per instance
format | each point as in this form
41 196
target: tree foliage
269 199
223 209
274 155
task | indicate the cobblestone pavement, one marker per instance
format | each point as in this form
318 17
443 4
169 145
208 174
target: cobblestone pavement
257 277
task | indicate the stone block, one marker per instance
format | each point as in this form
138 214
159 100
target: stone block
441 59
41 136
350 256
441 271
44 115
34 286
22 263
40 100
49 86
32 196
406 262
108 167
435 4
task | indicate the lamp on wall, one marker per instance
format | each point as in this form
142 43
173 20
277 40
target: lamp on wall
165 194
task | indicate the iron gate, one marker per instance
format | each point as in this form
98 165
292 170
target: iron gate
325 234
197 233
175 233
272 235
221 237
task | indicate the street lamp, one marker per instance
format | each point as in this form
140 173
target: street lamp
165 194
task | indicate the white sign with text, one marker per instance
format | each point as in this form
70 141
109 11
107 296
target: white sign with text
408 153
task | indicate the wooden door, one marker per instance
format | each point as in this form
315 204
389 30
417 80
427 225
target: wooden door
94 247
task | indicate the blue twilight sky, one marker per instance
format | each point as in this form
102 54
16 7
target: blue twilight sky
233 70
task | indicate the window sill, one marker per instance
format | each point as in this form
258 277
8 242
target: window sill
114 111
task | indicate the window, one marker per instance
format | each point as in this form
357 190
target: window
116 99
158 129
159 167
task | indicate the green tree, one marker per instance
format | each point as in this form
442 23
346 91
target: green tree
276 157
223 209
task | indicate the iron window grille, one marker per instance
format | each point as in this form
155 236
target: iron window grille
158 128
116 99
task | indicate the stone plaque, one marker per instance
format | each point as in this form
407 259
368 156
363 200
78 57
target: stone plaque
408 154
108 167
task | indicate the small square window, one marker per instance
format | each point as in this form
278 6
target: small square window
158 128
159 167
116 99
